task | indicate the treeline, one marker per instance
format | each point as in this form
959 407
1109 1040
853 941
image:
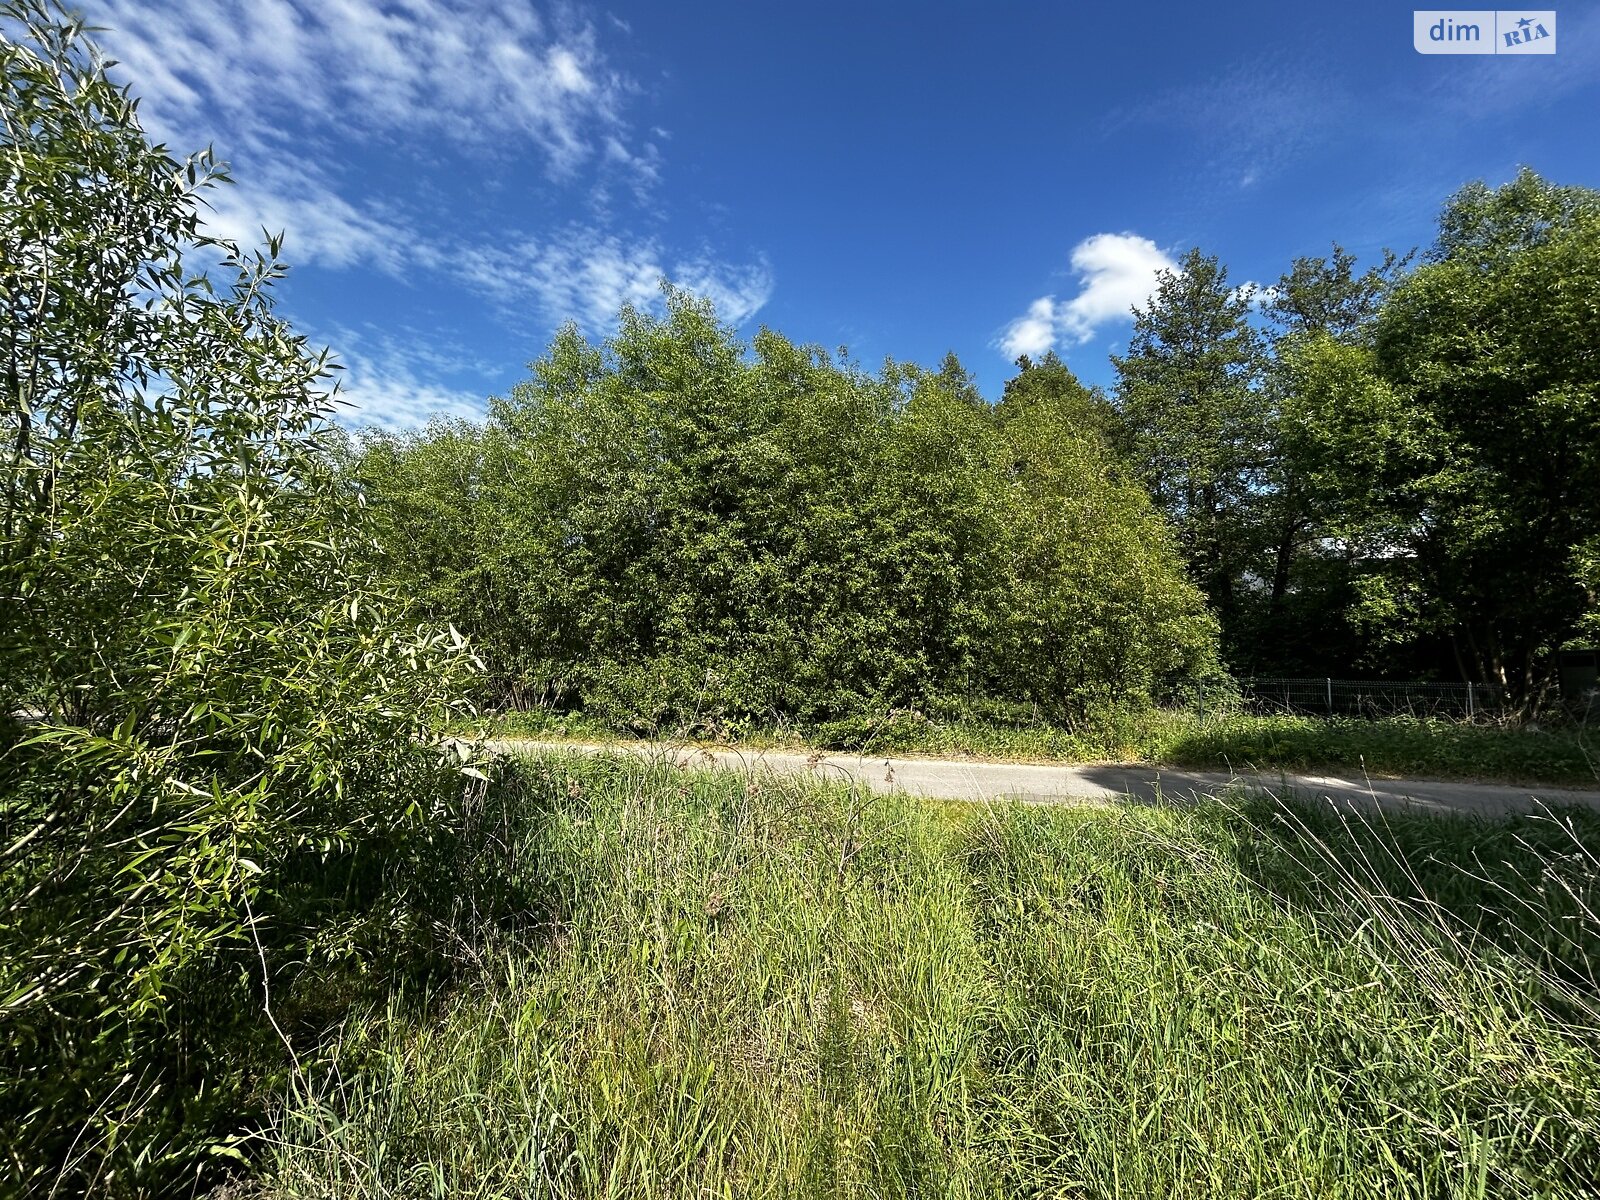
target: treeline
1388 471
1391 471
225 814
671 526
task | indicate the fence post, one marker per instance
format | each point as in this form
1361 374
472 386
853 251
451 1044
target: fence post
1330 697
1471 708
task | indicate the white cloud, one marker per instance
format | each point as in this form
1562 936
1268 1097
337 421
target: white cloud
586 275
580 274
1247 122
1033 333
378 397
1256 295
320 225
1116 271
280 86
283 88
381 385
483 74
738 292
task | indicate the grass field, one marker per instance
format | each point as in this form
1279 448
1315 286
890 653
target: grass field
728 987
1396 747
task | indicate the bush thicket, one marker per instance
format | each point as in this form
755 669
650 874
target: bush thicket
669 526
210 709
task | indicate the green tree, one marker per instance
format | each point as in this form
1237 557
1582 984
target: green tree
680 527
1326 295
220 702
1493 342
958 382
1304 625
1356 446
1050 382
1460 448
1195 424
1483 228
1098 606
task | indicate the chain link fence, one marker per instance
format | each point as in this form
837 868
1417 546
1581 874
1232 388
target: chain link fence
1372 698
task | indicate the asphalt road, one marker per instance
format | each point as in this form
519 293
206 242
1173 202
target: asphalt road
953 779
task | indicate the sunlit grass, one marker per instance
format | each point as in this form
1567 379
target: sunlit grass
1400 746
1415 747
775 987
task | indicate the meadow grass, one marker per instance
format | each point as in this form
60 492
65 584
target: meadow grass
733 986
1401 747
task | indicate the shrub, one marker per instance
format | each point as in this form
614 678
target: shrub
671 526
219 699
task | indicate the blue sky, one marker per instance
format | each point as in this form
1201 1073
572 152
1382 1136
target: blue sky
456 179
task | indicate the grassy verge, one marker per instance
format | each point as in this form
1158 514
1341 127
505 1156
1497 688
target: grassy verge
773 987
1395 747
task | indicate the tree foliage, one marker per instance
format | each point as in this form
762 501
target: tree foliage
205 695
1195 421
1304 616
1398 473
670 526
1447 441
1495 345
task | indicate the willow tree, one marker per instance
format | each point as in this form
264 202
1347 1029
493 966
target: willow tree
674 525
216 696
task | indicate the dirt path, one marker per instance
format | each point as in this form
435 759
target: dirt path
1065 783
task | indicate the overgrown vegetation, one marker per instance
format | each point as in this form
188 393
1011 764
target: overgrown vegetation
671 525
1389 474
257 917
775 987
1394 472
1403 747
214 720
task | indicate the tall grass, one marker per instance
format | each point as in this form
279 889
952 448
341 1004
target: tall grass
1563 755
1402 746
735 986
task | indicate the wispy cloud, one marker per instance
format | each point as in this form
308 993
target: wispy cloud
391 383
1248 121
580 273
1508 86
284 88
738 291
320 224
486 74
586 275
582 276
1116 271
303 97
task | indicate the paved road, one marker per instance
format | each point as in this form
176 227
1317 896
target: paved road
1055 783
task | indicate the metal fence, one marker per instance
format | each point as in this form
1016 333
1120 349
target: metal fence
1372 697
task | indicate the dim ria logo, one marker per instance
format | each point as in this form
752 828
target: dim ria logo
1486 32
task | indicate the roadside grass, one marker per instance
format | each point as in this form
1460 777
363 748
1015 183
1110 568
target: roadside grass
1416 747
1394 746
769 987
